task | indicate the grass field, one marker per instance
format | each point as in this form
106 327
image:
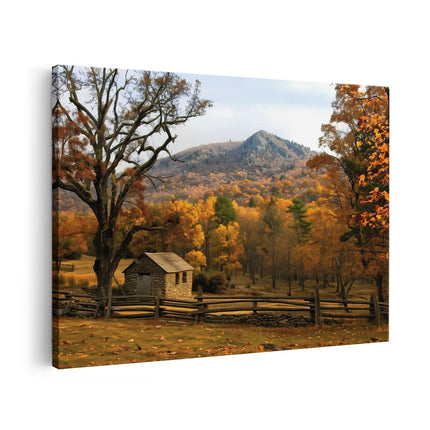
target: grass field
92 342
83 272
360 289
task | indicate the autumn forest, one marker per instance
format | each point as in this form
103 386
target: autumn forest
320 216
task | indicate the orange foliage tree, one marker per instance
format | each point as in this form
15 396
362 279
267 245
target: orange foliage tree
358 172
227 247
251 234
373 132
71 233
207 220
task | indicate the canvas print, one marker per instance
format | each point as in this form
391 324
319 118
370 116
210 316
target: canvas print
201 216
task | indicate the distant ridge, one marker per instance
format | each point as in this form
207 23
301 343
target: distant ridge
261 155
261 150
262 164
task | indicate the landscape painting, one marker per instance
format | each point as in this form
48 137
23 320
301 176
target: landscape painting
202 216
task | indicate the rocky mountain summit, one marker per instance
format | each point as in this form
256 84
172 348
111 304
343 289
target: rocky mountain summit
262 155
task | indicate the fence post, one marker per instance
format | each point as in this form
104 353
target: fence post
312 308
374 306
317 313
157 307
254 306
200 307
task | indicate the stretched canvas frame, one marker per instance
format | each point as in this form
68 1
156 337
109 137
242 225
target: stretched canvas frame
200 216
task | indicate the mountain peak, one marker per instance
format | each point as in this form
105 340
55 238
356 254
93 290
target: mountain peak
270 144
262 155
262 133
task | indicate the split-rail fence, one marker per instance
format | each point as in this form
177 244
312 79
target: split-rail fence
315 309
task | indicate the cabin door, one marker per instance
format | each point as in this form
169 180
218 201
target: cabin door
144 284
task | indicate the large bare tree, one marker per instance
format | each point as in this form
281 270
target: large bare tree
109 128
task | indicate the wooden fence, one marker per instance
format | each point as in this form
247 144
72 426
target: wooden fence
63 267
315 309
65 303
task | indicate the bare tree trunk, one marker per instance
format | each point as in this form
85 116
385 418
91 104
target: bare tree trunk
274 270
289 271
163 241
207 251
252 268
104 267
381 282
302 274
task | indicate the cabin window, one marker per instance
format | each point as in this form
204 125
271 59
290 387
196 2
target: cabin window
184 277
177 278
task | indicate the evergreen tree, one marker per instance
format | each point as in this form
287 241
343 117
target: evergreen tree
252 202
301 226
224 210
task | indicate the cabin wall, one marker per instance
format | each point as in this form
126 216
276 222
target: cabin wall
162 283
130 285
158 277
158 282
181 289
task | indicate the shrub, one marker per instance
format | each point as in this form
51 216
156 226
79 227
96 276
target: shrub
200 279
83 283
209 282
71 282
217 280
73 255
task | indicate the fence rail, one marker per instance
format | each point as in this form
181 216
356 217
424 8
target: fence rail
63 267
314 308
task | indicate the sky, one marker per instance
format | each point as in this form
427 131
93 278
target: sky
242 106
292 110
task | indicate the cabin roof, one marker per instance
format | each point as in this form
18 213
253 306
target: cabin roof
168 261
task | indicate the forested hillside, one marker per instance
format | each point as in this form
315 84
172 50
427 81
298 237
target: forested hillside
237 169
262 165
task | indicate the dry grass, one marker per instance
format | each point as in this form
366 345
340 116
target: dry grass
92 342
83 271
360 289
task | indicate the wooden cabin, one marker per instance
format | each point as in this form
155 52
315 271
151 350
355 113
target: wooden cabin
159 274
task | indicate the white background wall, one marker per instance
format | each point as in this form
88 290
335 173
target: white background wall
384 43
